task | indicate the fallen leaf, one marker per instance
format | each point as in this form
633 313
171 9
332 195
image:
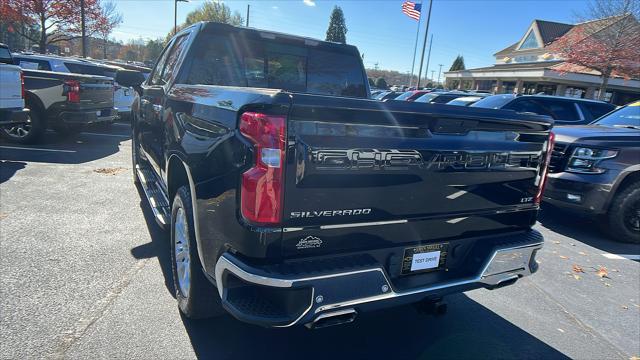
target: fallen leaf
572 244
602 272
607 284
560 330
3 216
577 268
636 305
634 358
109 171
563 257
556 242
615 270
577 277
625 307
582 253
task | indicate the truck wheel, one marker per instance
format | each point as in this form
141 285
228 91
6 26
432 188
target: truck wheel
624 214
196 295
28 133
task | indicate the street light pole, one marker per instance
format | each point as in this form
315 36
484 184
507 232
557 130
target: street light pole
439 71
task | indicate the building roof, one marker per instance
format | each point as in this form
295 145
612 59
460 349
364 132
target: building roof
518 66
549 31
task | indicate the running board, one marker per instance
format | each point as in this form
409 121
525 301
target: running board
155 195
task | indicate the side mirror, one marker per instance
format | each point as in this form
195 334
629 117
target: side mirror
129 78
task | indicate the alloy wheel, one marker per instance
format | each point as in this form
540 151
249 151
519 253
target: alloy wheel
181 252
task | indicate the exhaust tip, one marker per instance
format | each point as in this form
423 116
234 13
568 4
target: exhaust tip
339 317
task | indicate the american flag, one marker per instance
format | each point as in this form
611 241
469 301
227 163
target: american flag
411 9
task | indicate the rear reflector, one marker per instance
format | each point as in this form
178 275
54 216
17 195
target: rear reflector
261 192
545 167
72 89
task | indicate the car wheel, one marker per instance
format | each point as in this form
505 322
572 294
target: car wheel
624 214
27 133
196 295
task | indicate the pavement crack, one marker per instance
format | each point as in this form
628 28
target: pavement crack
577 320
97 311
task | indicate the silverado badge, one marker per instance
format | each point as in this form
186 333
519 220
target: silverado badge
309 242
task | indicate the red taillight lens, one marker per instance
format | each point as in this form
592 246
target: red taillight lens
22 82
261 193
72 88
545 167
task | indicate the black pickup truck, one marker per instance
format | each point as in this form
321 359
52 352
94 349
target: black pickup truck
63 102
301 201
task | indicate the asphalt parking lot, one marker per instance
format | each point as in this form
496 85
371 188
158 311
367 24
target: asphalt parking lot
85 274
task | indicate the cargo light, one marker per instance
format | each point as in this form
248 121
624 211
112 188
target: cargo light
545 167
261 189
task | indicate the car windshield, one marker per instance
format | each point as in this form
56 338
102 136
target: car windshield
5 56
464 101
426 98
406 95
626 116
494 102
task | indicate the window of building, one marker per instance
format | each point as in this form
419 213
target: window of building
530 42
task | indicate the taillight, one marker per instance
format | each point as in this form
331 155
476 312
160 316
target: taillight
72 88
261 196
545 167
22 82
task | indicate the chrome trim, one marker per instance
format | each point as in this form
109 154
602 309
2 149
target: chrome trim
495 271
333 314
342 226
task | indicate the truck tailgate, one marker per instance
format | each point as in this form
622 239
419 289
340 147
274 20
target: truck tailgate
362 163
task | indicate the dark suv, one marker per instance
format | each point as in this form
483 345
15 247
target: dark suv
564 110
595 169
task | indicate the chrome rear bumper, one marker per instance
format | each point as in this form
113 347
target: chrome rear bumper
369 286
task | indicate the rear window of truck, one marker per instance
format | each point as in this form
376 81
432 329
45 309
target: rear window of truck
233 61
90 69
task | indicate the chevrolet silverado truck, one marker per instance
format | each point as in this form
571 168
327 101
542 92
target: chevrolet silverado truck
292 198
12 111
63 102
595 170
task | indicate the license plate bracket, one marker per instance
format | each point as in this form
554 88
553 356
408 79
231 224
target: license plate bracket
424 258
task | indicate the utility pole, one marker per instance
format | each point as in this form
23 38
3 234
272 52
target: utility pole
426 72
248 6
426 32
83 29
439 71
415 48
432 73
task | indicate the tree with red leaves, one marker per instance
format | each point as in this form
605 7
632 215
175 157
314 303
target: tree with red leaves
57 20
610 44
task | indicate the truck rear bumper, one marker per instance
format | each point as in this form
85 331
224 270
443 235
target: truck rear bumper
88 117
285 298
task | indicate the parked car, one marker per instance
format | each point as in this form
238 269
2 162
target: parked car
387 95
122 96
467 100
12 110
564 110
595 169
411 95
296 200
63 102
440 97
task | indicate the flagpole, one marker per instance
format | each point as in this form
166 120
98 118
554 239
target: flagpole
426 32
415 48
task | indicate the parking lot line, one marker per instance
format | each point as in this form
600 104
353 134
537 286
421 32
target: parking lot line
99 134
621 256
37 149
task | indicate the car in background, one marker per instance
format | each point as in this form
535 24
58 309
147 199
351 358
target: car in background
122 96
467 100
440 97
12 111
387 95
564 110
595 169
411 95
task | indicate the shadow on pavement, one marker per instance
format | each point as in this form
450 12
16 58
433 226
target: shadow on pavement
585 229
467 331
159 245
10 168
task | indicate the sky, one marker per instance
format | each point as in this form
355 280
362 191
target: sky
475 29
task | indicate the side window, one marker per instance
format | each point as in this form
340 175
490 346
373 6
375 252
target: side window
596 110
170 68
561 110
32 64
527 105
157 71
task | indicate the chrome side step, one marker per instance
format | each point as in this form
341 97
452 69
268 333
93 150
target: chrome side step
155 195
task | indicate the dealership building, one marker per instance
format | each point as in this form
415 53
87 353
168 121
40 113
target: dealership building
530 67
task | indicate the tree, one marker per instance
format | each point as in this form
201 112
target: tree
381 83
56 20
108 21
153 49
372 83
215 11
337 31
608 43
458 64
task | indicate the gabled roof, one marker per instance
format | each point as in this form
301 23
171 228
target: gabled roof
549 31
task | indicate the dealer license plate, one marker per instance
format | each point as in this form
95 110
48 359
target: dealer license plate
424 258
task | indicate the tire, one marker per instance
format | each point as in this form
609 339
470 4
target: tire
67 130
197 298
624 214
29 133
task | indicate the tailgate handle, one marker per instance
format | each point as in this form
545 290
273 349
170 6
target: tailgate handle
454 126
